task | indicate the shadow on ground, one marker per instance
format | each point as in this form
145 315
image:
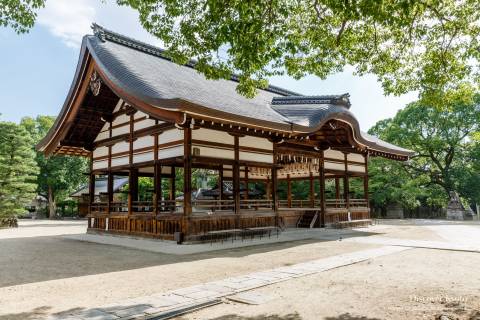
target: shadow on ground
43 258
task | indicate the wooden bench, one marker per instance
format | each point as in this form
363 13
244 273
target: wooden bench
352 223
223 234
252 232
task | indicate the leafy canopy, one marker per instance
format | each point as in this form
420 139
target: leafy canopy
17 170
19 14
446 154
59 175
428 45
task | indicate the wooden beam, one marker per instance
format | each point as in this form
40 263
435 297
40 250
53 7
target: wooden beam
346 183
172 184
245 196
187 177
365 181
312 191
322 191
289 191
337 188
236 177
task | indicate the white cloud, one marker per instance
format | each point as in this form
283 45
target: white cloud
69 20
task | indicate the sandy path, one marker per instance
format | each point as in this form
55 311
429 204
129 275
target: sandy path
113 273
399 286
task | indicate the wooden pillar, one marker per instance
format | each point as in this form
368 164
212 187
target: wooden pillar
110 175
322 191
236 176
187 171
132 186
312 191
245 195
157 186
91 190
365 181
220 182
268 188
275 186
337 188
289 191
346 182
172 183
109 191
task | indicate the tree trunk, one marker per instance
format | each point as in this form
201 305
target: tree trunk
51 204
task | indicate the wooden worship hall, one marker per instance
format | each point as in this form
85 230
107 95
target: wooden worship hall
136 114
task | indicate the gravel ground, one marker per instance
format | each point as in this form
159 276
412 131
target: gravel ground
42 273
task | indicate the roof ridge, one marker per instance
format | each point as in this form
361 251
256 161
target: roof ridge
107 35
341 99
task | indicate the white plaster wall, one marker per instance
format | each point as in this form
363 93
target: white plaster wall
120 161
170 135
256 142
102 164
143 124
121 146
212 135
120 130
257 157
143 142
334 166
356 157
121 119
100 152
170 152
214 152
355 168
143 157
334 154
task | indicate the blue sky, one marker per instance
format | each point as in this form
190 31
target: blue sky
37 68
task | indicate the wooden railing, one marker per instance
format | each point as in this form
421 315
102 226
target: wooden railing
256 204
295 203
212 205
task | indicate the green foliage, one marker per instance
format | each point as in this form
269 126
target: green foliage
59 175
430 46
17 170
447 155
19 14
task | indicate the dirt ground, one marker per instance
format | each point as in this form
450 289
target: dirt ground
42 272
413 284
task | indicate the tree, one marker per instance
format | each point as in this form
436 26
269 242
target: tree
446 156
59 175
428 45
19 14
17 172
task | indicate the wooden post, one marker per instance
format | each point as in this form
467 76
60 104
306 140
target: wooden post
289 191
275 186
187 176
236 177
91 191
132 193
110 176
109 191
365 181
274 193
268 188
322 191
312 191
157 186
220 182
346 183
245 196
172 183
337 188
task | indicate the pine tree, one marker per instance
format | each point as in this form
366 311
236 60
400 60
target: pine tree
18 171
